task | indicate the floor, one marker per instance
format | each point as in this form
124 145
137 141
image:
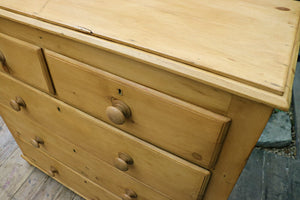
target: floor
266 176
20 181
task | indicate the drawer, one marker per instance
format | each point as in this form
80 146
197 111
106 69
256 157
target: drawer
77 158
64 174
161 170
25 62
114 60
184 129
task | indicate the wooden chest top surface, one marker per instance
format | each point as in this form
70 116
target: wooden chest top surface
249 41
101 59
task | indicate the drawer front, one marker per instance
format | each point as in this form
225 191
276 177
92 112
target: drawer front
189 131
161 170
64 174
137 67
25 62
77 158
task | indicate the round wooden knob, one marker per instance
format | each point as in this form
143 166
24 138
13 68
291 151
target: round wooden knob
129 195
122 161
121 164
115 115
36 142
3 63
118 112
52 171
17 103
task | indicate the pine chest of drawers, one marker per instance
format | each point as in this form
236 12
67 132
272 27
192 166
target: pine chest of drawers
145 100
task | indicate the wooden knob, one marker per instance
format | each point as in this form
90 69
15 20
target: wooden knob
36 142
115 115
122 161
17 103
121 164
118 112
52 171
129 195
3 63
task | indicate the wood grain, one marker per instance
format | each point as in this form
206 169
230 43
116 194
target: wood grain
249 49
174 78
65 194
13 173
104 141
35 182
7 143
32 185
25 62
169 123
248 122
178 86
225 45
48 190
66 175
78 159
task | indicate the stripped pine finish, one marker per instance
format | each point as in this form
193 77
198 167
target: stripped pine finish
72 77
220 53
151 100
103 54
30 62
153 162
19 180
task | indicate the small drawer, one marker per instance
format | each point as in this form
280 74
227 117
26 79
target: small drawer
159 169
64 174
24 61
76 157
184 129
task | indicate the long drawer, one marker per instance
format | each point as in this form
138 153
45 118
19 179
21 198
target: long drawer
25 62
189 131
76 157
169 174
64 174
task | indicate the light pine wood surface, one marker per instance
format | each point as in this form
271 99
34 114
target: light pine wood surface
30 66
19 180
174 78
154 116
64 174
128 95
185 32
249 119
153 166
248 122
86 164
